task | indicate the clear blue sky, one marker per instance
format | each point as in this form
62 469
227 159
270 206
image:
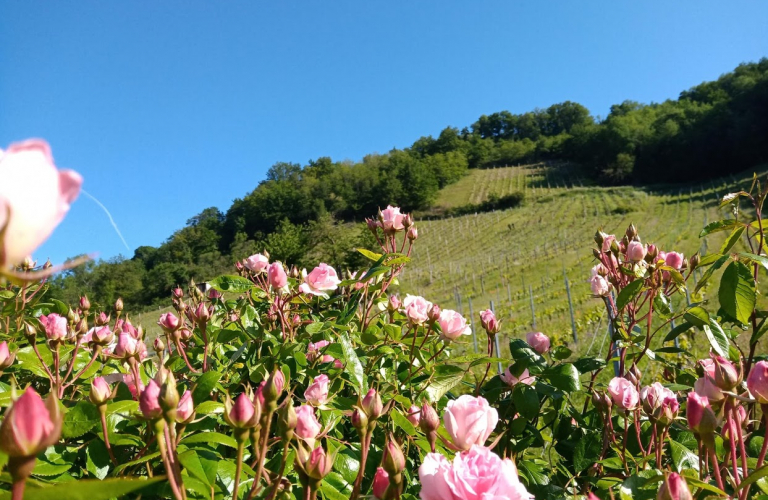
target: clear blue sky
168 107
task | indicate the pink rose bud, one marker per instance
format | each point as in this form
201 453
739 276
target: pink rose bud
372 225
608 240
653 252
317 393
257 263
149 401
623 393
600 286
102 336
168 322
701 417
636 251
307 425
214 294
202 314
453 325
652 396
319 464
393 460
127 346
185 334
276 276
674 488
177 293
416 309
434 313
6 356
273 388
185 411
538 341
592 496
85 304
55 327
477 473
158 345
674 260
100 391
119 304
394 303
320 281
380 483
30 425
469 421
372 405
314 348
489 322
429 421
705 386
757 382
414 415
391 219
287 421
101 319
412 234
525 377
359 421
34 198
727 376
242 413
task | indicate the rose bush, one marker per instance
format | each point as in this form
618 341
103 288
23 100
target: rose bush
278 383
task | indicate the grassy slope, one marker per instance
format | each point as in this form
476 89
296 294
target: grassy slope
506 255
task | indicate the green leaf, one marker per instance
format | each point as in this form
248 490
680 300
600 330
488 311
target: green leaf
43 468
628 293
709 272
525 356
565 377
204 386
400 421
677 331
526 401
732 197
28 360
191 462
697 316
353 366
232 284
585 365
737 292
331 493
717 226
682 457
88 489
586 451
79 419
445 378
145 458
369 255
97 459
756 475
717 338
210 438
662 305
209 407
759 259
732 239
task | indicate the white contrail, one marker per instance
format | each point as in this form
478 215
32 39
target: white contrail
111 220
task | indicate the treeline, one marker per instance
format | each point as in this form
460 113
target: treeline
711 130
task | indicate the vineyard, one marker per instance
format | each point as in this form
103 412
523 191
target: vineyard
505 257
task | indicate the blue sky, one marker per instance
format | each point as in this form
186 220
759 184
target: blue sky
169 107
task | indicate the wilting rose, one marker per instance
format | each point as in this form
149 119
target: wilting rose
469 420
320 281
34 198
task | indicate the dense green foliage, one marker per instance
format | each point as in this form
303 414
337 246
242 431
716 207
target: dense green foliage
713 129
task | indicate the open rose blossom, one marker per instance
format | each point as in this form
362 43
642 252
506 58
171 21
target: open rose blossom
469 420
623 393
55 327
392 219
538 341
30 425
256 263
599 286
453 325
476 474
416 308
320 281
317 393
34 197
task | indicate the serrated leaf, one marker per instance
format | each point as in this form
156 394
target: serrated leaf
717 264
585 365
697 316
204 386
144 459
209 407
717 338
369 255
191 462
737 292
79 419
526 401
677 331
89 489
682 457
717 226
210 438
444 378
732 239
43 468
564 377
400 421
232 284
352 366
730 197
628 293
97 459
759 259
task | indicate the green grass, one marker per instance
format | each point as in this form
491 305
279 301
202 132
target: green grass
506 256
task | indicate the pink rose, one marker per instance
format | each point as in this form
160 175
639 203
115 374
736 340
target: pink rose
6 357
600 286
256 263
489 322
169 322
469 420
414 415
186 408
607 242
100 391
674 260
416 309
30 425
276 276
313 350
636 251
705 386
307 425
623 393
380 483
511 380
453 325
34 197
653 396
321 280
55 327
392 219
757 382
477 474
538 341
317 393
149 401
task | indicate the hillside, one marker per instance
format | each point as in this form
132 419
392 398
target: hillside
522 255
